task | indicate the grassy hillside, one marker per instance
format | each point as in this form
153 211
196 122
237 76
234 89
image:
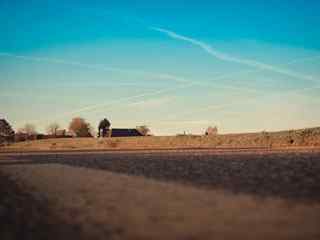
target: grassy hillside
293 138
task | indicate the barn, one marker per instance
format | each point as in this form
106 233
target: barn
124 132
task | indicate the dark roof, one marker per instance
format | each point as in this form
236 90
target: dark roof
125 132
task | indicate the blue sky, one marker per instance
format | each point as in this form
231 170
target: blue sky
173 65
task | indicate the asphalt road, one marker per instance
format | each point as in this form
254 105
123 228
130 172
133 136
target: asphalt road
291 174
161 194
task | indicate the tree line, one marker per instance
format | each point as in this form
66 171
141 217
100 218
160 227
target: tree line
78 127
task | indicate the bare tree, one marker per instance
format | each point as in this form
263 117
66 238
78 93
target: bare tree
144 130
80 128
53 128
28 129
211 131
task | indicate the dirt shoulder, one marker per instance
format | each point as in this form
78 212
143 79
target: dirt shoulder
24 214
107 205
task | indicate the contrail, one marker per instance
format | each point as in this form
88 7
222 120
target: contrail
225 57
100 67
222 106
204 46
111 103
187 84
305 59
94 66
249 100
179 79
176 78
153 93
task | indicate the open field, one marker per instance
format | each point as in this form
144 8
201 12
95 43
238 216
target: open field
159 120
164 194
283 139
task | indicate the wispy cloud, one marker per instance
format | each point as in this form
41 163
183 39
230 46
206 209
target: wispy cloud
183 123
99 67
179 79
304 59
153 102
129 99
110 104
156 75
236 103
225 57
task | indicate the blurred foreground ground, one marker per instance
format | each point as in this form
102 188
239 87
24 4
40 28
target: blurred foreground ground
167 195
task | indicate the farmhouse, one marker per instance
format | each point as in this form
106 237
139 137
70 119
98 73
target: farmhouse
104 130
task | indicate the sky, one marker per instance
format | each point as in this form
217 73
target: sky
174 65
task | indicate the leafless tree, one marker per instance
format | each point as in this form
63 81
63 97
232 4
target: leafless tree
80 128
211 131
53 128
28 129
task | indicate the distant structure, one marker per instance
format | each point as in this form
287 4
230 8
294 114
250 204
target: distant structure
103 128
6 132
125 132
144 130
62 133
211 131
21 137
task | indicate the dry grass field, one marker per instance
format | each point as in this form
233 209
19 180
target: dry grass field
283 139
234 186
161 195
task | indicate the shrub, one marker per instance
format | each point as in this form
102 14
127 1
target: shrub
80 128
